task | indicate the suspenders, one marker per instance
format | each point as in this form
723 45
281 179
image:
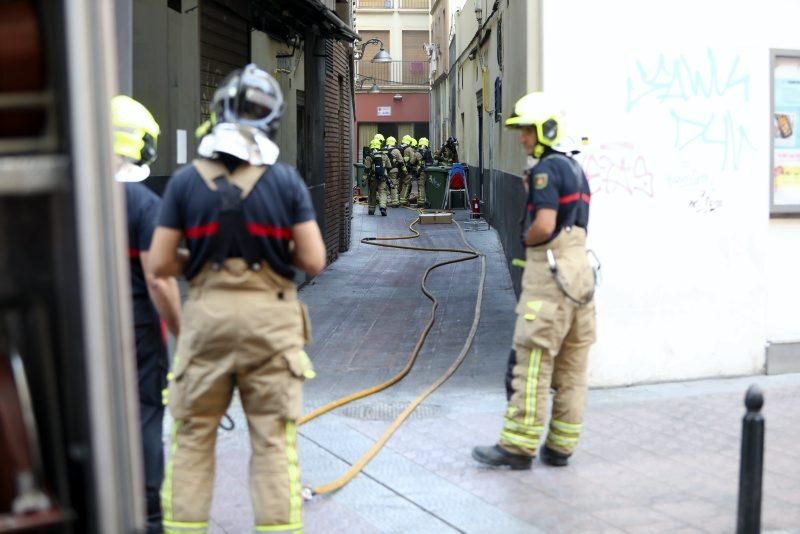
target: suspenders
232 239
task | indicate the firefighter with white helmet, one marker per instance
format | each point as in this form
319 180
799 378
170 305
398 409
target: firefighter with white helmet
555 314
248 221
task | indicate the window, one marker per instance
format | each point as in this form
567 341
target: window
785 137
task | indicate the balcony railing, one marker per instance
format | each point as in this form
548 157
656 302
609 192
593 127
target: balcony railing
394 4
394 73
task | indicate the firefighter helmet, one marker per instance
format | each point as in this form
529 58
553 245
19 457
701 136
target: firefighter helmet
412 141
249 96
379 137
536 111
135 131
391 141
423 142
375 144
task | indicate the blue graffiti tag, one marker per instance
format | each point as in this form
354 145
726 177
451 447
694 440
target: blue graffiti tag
678 83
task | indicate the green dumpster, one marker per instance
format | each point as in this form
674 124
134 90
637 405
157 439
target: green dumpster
361 178
435 185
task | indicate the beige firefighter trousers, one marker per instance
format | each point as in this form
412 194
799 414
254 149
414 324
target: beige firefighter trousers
551 340
243 329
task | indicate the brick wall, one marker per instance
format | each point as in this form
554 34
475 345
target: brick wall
338 157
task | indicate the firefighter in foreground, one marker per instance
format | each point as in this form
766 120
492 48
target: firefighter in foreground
247 221
555 314
376 163
135 138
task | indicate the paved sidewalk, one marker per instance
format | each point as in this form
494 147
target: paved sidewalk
659 458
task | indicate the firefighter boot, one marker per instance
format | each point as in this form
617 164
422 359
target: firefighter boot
371 211
497 456
554 458
383 212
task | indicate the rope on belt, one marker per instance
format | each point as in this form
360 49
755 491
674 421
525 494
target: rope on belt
471 254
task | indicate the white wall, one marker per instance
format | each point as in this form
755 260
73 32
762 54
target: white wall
675 99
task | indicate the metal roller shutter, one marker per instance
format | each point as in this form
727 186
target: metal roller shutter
224 45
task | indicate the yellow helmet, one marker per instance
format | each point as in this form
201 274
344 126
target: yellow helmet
391 141
406 140
424 143
535 110
135 130
379 137
375 144
412 141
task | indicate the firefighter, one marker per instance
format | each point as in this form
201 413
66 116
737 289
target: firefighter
247 221
135 138
410 160
448 154
376 164
397 169
555 314
425 159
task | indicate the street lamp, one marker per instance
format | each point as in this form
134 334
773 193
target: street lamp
381 57
374 89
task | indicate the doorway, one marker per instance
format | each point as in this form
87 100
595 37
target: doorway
479 98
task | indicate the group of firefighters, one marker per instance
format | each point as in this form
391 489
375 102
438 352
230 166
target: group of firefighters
391 169
236 223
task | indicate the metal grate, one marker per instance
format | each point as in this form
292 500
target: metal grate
388 411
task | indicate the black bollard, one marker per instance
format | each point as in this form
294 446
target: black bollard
752 463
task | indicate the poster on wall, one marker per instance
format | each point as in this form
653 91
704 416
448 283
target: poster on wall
785 134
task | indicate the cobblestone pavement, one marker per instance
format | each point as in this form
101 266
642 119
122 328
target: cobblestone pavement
655 458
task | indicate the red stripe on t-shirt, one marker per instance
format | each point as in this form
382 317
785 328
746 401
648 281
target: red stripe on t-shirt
133 253
574 197
265 230
203 230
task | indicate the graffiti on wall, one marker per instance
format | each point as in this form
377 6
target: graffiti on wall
704 100
618 168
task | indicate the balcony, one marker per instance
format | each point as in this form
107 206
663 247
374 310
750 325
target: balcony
412 74
393 4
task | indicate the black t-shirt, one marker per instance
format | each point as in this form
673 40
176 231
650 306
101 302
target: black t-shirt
278 201
142 205
558 182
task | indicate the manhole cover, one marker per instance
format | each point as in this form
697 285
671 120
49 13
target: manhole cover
388 411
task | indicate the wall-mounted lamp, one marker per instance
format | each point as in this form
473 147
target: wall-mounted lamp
374 89
398 97
381 57
478 12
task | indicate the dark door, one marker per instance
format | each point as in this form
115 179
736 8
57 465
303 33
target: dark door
479 180
302 160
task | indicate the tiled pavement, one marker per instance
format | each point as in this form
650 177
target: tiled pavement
658 458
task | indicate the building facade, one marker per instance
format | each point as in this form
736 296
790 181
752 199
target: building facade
182 49
393 97
691 160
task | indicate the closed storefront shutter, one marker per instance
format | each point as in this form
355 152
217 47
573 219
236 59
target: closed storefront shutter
224 45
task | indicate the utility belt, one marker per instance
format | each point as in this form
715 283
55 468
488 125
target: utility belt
569 245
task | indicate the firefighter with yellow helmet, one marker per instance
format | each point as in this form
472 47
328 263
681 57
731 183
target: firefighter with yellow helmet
411 160
555 314
154 299
425 159
397 169
377 165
